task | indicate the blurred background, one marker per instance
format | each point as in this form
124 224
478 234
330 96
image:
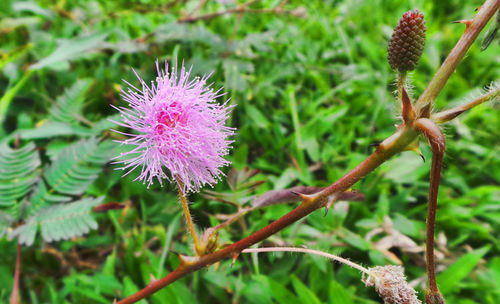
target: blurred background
314 94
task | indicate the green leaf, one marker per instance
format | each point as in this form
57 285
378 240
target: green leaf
77 166
73 170
281 294
59 222
448 280
305 294
10 93
5 221
17 172
50 129
129 288
70 104
69 49
338 294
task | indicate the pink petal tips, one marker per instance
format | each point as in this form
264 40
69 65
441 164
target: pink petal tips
178 126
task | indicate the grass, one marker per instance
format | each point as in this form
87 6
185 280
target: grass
314 93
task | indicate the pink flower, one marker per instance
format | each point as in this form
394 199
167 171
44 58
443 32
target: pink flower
178 126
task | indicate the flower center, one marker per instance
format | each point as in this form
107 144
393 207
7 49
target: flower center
169 116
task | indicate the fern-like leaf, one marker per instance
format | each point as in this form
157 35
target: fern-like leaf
77 166
17 172
69 105
5 221
73 170
59 222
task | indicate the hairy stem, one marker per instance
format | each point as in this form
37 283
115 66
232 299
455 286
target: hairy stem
450 114
407 111
437 142
332 257
189 220
424 103
14 296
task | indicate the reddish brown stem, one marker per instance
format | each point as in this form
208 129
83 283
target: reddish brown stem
424 103
14 296
450 114
392 145
383 152
437 143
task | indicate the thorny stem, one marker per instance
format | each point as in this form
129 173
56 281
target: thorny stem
424 103
394 144
309 251
189 220
385 150
437 143
450 114
14 296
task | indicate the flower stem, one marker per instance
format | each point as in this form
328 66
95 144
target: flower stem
189 221
14 296
309 251
407 111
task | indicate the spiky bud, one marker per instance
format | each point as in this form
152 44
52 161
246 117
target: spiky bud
407 42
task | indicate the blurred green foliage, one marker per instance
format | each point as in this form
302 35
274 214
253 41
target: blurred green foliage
314 92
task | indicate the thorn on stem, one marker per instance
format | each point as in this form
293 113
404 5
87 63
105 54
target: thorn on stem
234 259
152 278
467 22
304 197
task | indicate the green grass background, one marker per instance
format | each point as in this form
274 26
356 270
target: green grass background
313 94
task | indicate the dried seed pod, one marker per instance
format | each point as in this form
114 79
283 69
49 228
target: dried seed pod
407 42
390 283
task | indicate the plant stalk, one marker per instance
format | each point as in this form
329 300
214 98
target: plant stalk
452 113
14 296
437 142
424 103
391 146
189 220
329 256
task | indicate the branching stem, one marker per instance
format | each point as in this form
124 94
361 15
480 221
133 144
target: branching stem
404 136
452 113
424 103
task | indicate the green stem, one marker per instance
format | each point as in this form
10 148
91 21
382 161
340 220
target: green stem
189 219
9 95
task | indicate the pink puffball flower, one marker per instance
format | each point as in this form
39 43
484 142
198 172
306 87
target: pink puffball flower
179 130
